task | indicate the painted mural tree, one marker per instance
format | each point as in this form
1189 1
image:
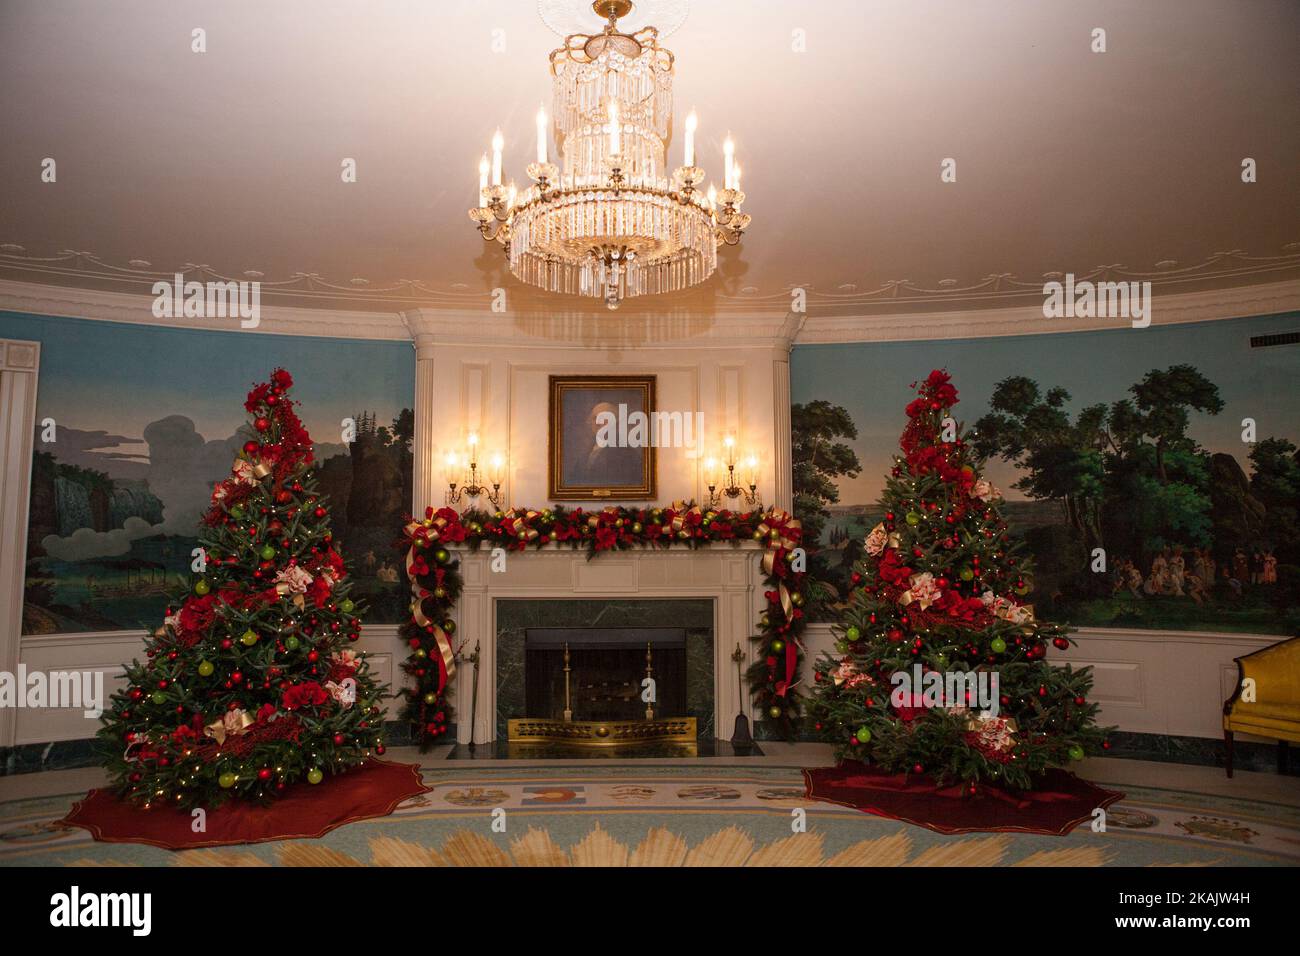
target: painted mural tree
942 590
1276 484
1158 477
1062 459
251 684
818 459
1128 476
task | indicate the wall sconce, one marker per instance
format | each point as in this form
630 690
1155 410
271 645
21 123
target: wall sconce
463 483
732 490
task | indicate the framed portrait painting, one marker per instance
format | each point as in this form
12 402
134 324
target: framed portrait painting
594 455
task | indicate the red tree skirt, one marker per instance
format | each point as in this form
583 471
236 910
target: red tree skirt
1060 803
305 811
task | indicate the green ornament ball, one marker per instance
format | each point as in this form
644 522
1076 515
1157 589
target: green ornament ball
206 668
852 633
1076 752
863 735
842 647
1023 590
774 713
292 643
997 645
967 574
159 698
778 646
248 638
314 776
431 699
227 780
346 605
201 587
237 511
267 552
421 652
637 527
913 518
442 555
449 626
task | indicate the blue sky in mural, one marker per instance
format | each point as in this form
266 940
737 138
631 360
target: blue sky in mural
871 380
119 378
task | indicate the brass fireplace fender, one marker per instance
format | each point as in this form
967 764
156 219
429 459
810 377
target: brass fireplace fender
601 733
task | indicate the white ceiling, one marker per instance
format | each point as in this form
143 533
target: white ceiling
1067 160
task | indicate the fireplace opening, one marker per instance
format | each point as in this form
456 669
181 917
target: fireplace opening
606 672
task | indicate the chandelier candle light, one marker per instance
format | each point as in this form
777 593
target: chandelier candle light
612 222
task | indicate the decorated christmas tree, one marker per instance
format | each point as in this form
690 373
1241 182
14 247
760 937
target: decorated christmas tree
940 665
251 683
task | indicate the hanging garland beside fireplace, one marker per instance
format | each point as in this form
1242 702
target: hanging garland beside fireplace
436 583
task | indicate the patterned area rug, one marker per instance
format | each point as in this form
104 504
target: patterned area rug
685 815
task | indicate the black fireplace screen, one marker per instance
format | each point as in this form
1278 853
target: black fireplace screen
607 668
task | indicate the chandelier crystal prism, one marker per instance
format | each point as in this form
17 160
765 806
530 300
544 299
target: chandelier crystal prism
611 221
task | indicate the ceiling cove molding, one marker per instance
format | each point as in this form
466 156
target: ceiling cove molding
40 299
756 328
769 329
1204 306
83 269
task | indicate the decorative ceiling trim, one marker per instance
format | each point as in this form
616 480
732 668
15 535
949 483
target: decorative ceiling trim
1234 267
1206 305
40 299
757 328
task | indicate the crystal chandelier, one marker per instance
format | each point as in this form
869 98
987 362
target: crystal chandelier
612 222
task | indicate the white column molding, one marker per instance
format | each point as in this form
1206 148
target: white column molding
424 482
19 365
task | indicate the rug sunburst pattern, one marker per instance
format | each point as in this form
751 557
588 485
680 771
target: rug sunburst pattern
729 846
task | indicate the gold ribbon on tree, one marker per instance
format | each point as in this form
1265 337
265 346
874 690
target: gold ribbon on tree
282 589
232 724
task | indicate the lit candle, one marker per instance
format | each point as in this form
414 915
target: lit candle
510 195
497 143
729 158
496 468
729 453
711 472
691 123
751 470
615 130
713 196
541 135
482 180
735 176
452 467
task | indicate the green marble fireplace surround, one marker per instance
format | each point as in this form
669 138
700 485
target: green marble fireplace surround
514 616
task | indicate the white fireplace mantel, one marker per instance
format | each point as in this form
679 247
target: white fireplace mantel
729 574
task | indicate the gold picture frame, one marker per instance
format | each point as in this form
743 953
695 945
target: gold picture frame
579 468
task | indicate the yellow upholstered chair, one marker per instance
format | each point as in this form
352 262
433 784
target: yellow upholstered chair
1272 708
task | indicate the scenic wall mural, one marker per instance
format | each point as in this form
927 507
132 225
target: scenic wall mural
1172 449
146 420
